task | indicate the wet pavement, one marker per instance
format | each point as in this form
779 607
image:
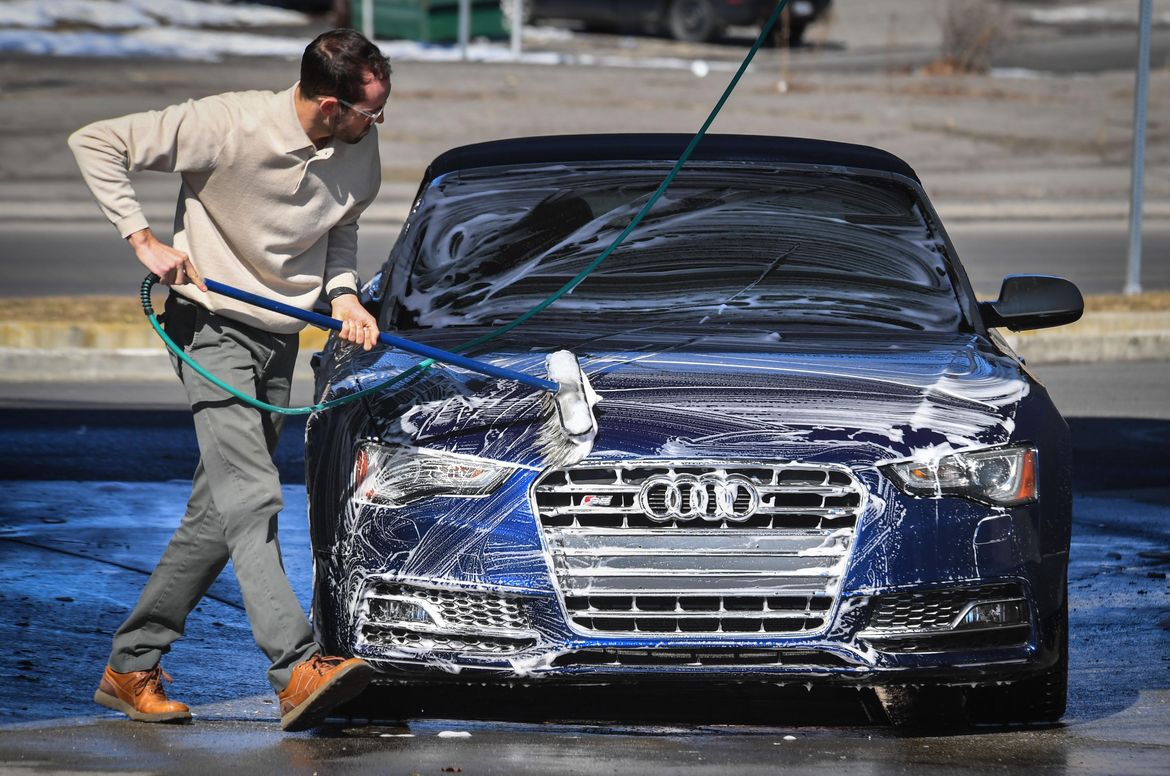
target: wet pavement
88 500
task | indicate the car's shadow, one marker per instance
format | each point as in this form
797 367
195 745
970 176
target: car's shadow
644 709
639 704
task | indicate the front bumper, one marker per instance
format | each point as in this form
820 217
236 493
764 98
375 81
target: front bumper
505 636
476 588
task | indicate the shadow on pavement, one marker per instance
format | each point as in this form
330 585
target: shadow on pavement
641 704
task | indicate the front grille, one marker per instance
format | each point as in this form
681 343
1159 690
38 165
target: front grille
685 548
455 620
607 496
704 658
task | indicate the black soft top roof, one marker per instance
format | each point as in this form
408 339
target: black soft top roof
664 147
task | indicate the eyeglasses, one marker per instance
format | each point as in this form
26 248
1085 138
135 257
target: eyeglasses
371 116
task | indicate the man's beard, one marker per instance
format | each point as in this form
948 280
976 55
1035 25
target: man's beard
354 139
346 135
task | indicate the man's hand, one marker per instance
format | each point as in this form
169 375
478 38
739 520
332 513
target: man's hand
173 266
357 325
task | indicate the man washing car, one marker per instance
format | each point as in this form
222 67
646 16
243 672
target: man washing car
272 188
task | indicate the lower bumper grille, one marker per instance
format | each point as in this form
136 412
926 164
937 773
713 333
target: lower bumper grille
428 619
704 658
460 608
699 614
1013 636
937 620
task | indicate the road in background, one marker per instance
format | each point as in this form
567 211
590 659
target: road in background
89 258
53 259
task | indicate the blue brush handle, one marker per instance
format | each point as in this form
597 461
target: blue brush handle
417 348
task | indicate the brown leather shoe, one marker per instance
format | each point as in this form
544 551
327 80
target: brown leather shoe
317 686
140 696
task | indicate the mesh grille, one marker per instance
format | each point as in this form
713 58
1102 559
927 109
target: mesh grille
458 608
685 548
932 609
454 621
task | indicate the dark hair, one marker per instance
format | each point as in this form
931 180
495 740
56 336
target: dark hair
336 62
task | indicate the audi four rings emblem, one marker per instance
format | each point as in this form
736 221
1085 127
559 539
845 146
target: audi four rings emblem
711 497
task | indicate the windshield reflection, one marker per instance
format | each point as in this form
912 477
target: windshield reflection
729 247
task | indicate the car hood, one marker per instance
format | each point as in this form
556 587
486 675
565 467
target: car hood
855 401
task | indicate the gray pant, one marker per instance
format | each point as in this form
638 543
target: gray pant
235 499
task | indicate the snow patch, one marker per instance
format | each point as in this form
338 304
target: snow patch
164 43
136 14
1084 14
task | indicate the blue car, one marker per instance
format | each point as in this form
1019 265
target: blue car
817 461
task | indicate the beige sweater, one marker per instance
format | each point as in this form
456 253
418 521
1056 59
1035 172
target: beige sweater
260 208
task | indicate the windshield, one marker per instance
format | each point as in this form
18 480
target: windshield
728 247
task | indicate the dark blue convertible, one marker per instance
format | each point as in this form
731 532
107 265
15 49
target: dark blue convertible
817 461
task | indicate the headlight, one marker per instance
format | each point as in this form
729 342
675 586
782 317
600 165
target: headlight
1003 476
394 476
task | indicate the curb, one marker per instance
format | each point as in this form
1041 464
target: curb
1056 348
91 365
1099 336
97 364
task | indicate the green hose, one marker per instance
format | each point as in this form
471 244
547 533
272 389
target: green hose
148 307
569 286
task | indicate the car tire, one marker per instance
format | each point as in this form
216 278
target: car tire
1040 699
694 21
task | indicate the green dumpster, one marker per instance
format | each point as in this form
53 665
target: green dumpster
428 20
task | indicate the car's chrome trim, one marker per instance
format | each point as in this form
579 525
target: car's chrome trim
794 543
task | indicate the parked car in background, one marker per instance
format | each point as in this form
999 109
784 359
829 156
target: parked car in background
817 461
689 20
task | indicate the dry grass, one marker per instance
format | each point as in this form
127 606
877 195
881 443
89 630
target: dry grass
1150 301
971 31
75 309
126 309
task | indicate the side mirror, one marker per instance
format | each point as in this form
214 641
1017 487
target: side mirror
1033 302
